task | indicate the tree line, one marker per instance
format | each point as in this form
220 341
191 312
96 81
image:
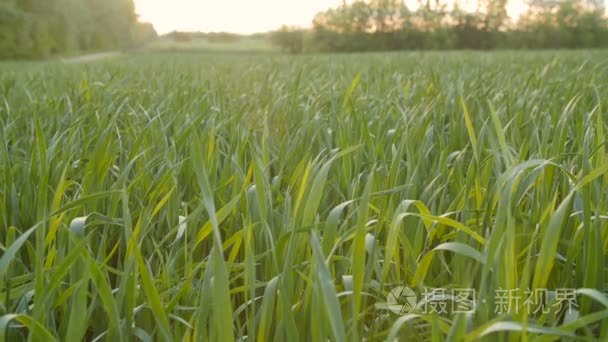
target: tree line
390 25
42 28
211 37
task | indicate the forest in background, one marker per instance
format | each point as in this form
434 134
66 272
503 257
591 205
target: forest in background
390 25
43 28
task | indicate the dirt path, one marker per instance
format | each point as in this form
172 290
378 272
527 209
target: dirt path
91 57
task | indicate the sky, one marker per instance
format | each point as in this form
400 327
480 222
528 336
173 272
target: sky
243 16
237 16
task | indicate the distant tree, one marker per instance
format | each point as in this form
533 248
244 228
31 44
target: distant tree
181 36
494 15
289 39
563 24
144 32
469 29
223 37
390 25
10 20
39 28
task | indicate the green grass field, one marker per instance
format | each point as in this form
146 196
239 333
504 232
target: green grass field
218 197
198 45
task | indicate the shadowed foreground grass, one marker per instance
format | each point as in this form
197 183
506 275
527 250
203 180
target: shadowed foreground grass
166 197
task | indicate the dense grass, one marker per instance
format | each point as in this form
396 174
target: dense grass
275 198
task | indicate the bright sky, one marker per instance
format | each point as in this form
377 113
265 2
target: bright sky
244 16
238 16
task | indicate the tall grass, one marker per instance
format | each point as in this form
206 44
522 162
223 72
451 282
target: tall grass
221 197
